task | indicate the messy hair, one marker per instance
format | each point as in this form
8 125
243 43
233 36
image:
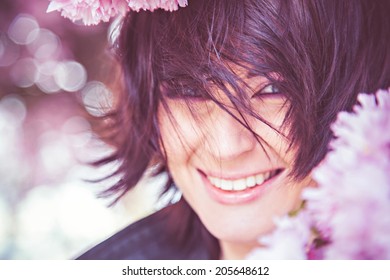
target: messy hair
325 52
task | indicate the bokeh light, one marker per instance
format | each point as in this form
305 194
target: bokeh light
70 76
5 226
78 131
46 81
97 98
69 213
24 72
13 111
45 44
9 51
47 209
22 28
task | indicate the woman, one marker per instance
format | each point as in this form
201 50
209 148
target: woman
234 100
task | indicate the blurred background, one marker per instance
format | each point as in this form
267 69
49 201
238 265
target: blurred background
54 74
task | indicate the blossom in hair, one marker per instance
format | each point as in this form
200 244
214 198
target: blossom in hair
348 212
151 5
92 12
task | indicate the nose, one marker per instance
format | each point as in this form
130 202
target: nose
227 138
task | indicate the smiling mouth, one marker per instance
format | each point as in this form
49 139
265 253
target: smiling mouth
243 183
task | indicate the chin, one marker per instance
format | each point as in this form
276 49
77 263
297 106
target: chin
235 229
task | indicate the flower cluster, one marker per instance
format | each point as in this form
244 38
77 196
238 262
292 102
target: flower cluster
349 209
92 12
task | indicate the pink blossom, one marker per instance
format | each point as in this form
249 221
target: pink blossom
151 5
91 12
289 240
350 206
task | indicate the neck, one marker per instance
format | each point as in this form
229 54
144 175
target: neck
236 251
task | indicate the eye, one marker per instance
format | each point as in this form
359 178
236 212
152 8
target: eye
268 90
188 92
180 91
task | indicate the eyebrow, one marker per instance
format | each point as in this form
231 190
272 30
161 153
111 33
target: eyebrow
250 75
256 79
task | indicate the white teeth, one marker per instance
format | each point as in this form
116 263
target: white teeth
226 185
251 181
260 179
240 184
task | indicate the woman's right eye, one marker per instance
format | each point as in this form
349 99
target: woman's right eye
185 92
188 92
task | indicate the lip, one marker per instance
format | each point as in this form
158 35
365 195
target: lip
237 197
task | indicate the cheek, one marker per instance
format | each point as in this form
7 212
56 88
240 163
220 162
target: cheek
275 136
178 140
179 134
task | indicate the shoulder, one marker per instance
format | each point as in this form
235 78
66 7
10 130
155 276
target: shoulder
149 238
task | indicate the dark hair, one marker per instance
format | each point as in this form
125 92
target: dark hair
325 51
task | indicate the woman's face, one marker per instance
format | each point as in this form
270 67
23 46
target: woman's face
235 184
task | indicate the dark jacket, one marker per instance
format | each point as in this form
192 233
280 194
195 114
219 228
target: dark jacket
148 239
